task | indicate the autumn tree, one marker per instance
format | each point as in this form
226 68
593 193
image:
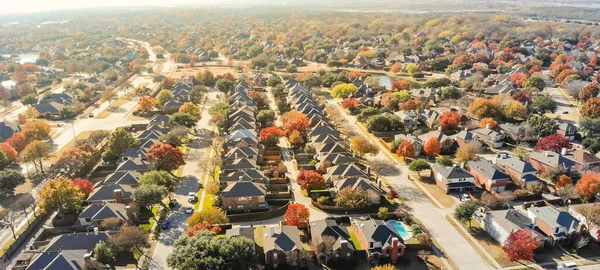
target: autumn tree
70 162
83 185
563 180
468 152
296 214
554 142
146 103
449 120
119 141
362 146
350 103
209 215
432 147
163 97
591 108
128 239
518 79
405 149
295 120
589 91
310 180
485 121
17 141
514 110
343 90
396 67
108 95
36 130
482 107
36 152
380 166
520 245
165 157
588 185
295 138
9 151
270 135
60 194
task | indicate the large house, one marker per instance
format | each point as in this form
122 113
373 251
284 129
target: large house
453 178
378 239
244 197
548 159
339 235
279 242
488 175
558 226
501 223
583 161
520 172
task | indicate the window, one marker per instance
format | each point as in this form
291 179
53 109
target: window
240 207
347 254
556 231
275 256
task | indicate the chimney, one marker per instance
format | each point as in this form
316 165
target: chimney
547 153
128 209
118 195
462 165
162 123
440 128
487 125
236 155
343 244
394 254
140 155
95 230
240 178
272 230
563 151
466 129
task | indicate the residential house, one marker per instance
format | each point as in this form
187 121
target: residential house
339 172
416 142
94 214
247 232
429 117
238 165
489 137
160 120
246 152
520 172
111 193
446 143
548 159
323 228
252 175
279 242
516 132
7 129
378 239
356 183
558 226
424 93
134 164
501 223
576 210
244 197
567 130
408 118
452 178
129 178
464 137
488 175
583 161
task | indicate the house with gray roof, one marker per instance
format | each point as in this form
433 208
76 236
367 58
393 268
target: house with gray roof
452 178
548 159
238 165
329 230
134 164
378 239
520 172
339 172
252 175
501 223
560 227
244 197
7 129
356 183
488 175
280 241
94 214
111 193
240 231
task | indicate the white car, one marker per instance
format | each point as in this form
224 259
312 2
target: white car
191 197
464 197
189 209
567 266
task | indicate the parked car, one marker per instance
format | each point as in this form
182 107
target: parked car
189 209
567 266
90 115
464 197
172 203
191 197
164 225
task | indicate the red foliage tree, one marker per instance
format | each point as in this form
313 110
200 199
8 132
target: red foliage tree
356 74
535 69
520 245
463 59
563 180
310 180
411 104
202 226
521 96
301 76
518 79
588 185
432 147
295 120
165 157
405 149
296 214
10 152
17 141
449 120
554 142
350 103
270 135
591 108
85 186
593 61
401 85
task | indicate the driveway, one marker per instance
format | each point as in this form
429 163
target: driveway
566 109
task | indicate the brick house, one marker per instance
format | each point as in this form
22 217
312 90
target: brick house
446 143
583 160
378 239
280 241
488 175
342 249
463 137
452 178
548 159
559 227
111 193
520 172
244 197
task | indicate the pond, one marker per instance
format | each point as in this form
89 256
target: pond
385 81
400 228
25 58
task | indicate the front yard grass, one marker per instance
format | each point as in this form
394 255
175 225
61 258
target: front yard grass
149 217
208 201
428 183
489 243
466 237
353 238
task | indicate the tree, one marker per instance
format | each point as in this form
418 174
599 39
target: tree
506 197
468 152
295 120
165 157
542 125
444 160
31 113
146 103
464 211
588 185
382 166
362 146
518 78
554 142
514 110
563 181
325 247
543 104
119 141
589 126
163 97
205 251
149 195
36 130
108 95
129 239
274 81
482 107
224 85
310 180
350 104
566 193
160 178
9 180
103 254
210 215
591 214
9 151
29 99
589 91
296 214
450 92
418 165
432 147
183 119
396 67
343 90
384 267
36 152
488 199
10 218
205 78
23 202
449 120
218 108
17 141
71 162
520 245
483 123
534 81
270 135
405 149
591 108
411 69
352 198
60 194
83 185
265 117
295 138
591 144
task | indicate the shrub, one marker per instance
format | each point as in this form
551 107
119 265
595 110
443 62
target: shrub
416 229
391 194
322 200
382 213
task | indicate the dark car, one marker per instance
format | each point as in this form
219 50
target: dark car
164 225
172 203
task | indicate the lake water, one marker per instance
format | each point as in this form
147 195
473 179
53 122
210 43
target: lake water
385 81
25 58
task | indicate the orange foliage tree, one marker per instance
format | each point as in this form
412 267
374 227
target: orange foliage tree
589 185
432 147
309 180
296 214
589 91
270 135
449 120
405 149
485 121
356 74
518 78
591 108
350 103
10 152
411 104
17 141
165 157
295 120
482 107
146 103
202 226
85 186
396 67
563 181
36 130
401 85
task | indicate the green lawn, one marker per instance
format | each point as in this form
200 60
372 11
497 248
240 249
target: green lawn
208 201
354 239
148 215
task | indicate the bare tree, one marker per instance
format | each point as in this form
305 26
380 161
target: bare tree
488 199
10 218
24 202
382 167
210 165
581 242
506 197
373 197
567 192
591 214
